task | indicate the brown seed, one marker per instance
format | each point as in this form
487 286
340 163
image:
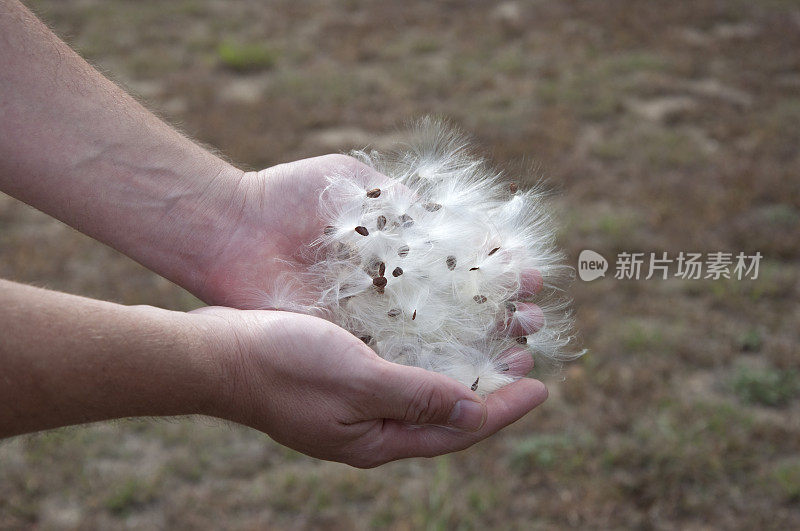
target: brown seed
381 269
330 229
394 312
503 367
522 340
511 307
474 385
403 251
375 192
397 271
451 262
474 268
512 187
414 315
494 251
431 207
381 222
379 282
366 339
480 299
406 220
362 230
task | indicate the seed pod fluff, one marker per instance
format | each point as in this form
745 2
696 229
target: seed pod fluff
429 266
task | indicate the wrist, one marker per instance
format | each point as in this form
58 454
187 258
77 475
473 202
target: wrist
197 221
216 340
242 351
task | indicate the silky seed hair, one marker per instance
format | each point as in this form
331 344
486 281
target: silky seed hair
456 237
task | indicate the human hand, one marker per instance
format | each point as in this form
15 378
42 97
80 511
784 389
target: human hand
315 388
255 254
269 221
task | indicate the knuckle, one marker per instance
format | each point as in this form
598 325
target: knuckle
426 405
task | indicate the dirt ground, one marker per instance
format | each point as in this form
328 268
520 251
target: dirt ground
667 126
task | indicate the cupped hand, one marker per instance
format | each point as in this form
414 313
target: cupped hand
306 382
315 388
271 220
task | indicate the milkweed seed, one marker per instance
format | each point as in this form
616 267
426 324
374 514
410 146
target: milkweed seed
379 282
474 385
431 207
474 268
362 230
512 187
406 220
330 229
522 340
366 339
494 251
394 312
381 269
403 251
381 222
375 192
414 315
480 299
451 262
397 271
511 307
503 367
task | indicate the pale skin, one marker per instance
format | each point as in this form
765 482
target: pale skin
75 146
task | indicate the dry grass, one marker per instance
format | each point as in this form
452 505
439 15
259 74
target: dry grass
668 126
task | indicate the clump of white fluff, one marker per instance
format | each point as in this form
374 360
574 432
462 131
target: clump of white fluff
425 265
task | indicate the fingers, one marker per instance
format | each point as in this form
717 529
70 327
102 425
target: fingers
416 396
503 408
524 318
518 360
531 283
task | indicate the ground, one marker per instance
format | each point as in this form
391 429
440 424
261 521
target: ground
665 126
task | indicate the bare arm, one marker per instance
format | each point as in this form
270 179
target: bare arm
70 360
77 147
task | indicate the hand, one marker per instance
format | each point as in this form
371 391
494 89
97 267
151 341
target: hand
270 221
317 389
96 159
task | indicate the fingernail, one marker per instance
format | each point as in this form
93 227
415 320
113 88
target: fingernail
467 415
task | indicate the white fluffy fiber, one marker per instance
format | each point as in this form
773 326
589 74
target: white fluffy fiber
446 238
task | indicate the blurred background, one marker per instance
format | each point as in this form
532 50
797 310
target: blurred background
666 126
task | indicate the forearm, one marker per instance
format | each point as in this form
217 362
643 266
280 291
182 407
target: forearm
77 147
69 360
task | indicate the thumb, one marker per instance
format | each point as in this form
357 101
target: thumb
417 396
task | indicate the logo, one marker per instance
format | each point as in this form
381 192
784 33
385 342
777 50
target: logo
591 265
689 266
